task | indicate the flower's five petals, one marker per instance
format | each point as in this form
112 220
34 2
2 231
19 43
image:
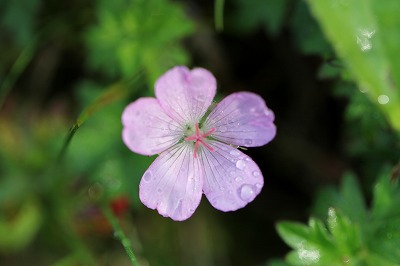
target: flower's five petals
242 119
173 183
147 129
232 179
186 95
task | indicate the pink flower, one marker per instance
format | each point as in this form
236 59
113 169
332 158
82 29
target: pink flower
198 151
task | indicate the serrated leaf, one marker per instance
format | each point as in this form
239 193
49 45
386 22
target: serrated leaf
345 233
294 234
352 204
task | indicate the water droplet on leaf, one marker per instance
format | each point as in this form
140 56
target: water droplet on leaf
383 99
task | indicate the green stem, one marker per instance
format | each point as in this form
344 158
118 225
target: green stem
219 15
17 68
119 233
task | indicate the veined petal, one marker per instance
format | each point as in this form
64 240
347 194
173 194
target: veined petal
148 130
232 179
242 119
186 95
173 183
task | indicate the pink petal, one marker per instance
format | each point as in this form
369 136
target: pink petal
186 95
242 119
232 179
147 129
173 183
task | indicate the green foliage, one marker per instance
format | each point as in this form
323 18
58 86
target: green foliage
352 235
17 18
259 13
370 139
137 35
365 35
307 33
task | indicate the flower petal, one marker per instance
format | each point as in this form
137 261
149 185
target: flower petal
232 179
173 183
147 129
242 119
186 95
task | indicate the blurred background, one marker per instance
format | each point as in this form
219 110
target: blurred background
68 69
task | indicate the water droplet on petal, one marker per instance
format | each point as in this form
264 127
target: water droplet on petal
238 179
248 142
246 193
159 190
234 153
256 173
147 176
258 186
191 210
232 173
200 97
240 164
222 129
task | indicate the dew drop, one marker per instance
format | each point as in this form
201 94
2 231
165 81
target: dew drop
240 164
147 176
200 97
191 210
248 142
256 173
222 129
238 179
171 126
234 153
246 193
232 173
383 99
258 186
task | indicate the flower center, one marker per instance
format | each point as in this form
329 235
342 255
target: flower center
198 137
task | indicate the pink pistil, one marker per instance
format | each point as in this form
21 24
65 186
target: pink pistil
199 137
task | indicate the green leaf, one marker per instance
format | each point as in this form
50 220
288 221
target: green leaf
366 39
294 234
345 233
18 232
138 35
352 204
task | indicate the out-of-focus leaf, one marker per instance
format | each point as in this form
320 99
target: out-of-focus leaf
365 37
349 199
252 14
138 35
17 18
20 230
307 33
352 235
294 234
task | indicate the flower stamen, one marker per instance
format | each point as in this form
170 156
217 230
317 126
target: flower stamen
199 137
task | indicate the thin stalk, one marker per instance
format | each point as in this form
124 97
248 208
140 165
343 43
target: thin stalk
219 15
119 233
